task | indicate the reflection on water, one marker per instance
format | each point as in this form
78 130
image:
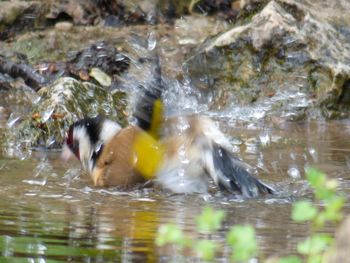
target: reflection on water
49 213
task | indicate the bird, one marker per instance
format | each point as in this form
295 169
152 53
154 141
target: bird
189 155
183 154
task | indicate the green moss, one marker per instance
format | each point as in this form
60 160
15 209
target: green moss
53 45
246 14
174 7
293 9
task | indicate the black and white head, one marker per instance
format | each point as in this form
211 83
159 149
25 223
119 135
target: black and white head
85 139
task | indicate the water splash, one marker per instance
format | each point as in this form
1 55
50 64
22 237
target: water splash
314 154
71 175
265 139
152 40
293 172
36 182
12 120
46 115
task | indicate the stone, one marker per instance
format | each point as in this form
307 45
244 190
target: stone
279 59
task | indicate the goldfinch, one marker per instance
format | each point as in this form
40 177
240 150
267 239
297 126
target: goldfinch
190 154
182 154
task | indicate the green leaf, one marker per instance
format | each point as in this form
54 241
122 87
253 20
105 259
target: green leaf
316 178
315 244
303 211
324 188
324 193
209 220
205 249
333 207
315 259
170 233
243 241
320 220
290 259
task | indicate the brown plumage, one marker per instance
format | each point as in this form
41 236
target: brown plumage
114 166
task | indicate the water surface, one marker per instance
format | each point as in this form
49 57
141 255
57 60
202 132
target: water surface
50 213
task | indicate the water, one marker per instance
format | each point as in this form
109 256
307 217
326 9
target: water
50 213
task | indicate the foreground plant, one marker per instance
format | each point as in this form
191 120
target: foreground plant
316 248
241 239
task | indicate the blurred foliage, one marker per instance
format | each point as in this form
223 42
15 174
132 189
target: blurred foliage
241 239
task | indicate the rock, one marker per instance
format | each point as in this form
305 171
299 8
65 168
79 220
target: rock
194 29
19 98
102 55
226 9
101 77
281 60
60 104
81 12
248 3
11 10
15 16
334 13
4 113
63 26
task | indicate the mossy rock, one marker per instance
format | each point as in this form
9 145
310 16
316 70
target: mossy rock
62 103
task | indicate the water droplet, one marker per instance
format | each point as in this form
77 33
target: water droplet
50 141
35 182
294 172
313 154
119 57
265 139
293 156
47 114
152 40
12 120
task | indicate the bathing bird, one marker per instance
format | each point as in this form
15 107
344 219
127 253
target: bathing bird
185 154
182 154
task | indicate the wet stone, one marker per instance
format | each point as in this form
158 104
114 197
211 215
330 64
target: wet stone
60 104
281 49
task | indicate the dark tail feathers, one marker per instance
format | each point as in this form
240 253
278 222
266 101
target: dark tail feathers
144 111
234 177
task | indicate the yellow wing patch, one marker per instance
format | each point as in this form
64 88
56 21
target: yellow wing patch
157 118
148 151
148 155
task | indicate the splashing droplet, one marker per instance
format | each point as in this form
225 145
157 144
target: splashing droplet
47 114
265 139
152 41
294 172
313 154
293 156
50 141
35 182
12 120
